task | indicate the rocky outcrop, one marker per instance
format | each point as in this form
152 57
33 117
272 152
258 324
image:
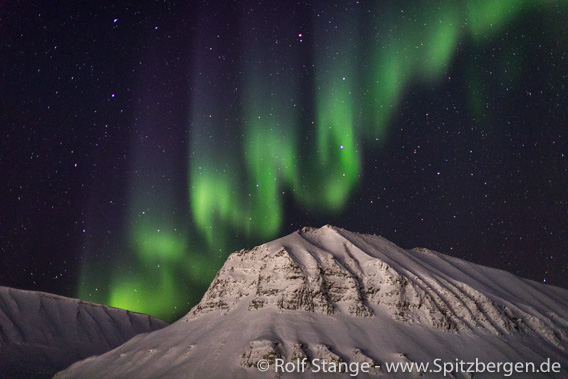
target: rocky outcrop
302 274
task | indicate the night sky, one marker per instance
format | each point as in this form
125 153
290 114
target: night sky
141 144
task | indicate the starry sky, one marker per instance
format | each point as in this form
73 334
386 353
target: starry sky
142 143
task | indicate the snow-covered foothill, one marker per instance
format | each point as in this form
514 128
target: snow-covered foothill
41 333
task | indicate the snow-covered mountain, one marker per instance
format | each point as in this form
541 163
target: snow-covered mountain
41 334
354 302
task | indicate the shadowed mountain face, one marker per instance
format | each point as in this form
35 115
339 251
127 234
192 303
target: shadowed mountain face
338 296
41 334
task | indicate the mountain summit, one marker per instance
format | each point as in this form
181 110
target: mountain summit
334 296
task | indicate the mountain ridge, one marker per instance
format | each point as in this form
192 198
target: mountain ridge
42 333
332 294
349 268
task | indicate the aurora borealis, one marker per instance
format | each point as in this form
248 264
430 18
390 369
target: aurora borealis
142 144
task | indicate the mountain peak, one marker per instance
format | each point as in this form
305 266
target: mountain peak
330 270
337 296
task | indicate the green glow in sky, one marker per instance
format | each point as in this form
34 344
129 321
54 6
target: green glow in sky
270 165
214 202
440 38
253 142
419 48
387 80
156 246
148 292
270 150
353 99
334 170
486 18
146 279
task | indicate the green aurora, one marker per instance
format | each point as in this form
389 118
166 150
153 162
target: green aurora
278 149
